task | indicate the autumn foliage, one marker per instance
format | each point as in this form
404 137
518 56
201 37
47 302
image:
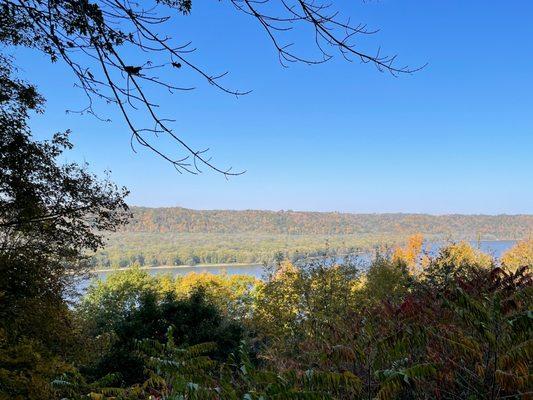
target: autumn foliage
457 326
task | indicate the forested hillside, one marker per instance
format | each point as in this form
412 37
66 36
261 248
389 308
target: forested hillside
175 236
331 223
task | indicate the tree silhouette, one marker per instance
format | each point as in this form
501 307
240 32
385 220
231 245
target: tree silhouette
92 37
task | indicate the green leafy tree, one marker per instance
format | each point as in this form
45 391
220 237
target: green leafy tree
107 302
304 304
480 336
386 280
145 314
50 218
457 260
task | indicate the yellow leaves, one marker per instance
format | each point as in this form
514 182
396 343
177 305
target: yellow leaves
359 284
411 253
232 293
219 285
121 288
463 254
277 301
165 283
304 302
286 271
520 255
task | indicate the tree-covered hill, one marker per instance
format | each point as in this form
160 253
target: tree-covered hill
182 220
174 236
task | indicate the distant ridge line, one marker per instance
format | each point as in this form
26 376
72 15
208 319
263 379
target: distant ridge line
472 226
135 207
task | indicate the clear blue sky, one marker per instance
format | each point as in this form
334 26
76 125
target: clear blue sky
456 137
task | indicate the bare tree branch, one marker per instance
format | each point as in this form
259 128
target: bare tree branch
91 38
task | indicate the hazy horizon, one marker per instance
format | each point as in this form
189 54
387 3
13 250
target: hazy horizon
325 211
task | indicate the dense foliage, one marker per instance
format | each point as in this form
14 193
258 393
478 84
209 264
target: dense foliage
50 215
125 249
456 325
450 326
194 320
175 236
327 223
519 255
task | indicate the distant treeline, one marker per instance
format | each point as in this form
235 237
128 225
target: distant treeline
176 236
152 249
178 219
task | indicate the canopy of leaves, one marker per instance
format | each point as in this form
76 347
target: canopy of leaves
323 330
520 255
51 215
194 320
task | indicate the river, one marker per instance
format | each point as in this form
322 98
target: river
495 248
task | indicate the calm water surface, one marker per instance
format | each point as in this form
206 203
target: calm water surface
494 248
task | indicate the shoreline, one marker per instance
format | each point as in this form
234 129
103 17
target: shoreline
237 265
184 266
